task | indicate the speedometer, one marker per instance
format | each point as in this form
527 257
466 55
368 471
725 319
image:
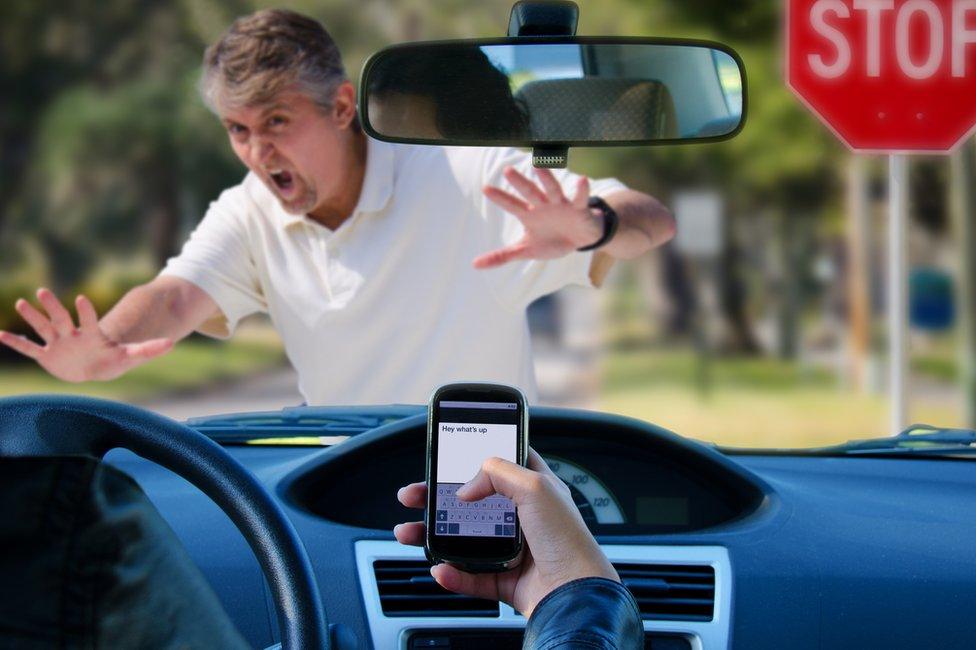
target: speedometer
594 500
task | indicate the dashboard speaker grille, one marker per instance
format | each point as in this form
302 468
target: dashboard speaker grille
406 588
671 592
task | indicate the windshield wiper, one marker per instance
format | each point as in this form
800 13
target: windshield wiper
299 425
916 440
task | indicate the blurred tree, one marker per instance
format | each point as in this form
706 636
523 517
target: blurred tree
928 191
115 145
783 161
44 48
122 166
740 20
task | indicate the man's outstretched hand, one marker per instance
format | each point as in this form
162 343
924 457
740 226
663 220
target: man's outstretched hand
82 353
554 225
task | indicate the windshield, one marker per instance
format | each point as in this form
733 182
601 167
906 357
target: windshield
760 325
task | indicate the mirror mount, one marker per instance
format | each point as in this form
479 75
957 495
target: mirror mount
550 157
545 18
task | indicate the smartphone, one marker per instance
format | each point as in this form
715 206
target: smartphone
467 424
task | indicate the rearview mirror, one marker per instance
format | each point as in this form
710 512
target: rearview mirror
565 91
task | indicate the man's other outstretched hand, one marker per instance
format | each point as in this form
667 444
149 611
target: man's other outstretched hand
554 224
77 353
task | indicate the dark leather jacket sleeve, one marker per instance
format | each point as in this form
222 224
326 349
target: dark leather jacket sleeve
586 613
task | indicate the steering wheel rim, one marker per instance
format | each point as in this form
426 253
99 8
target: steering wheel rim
59 425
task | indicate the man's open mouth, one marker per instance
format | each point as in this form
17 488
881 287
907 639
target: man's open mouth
282 180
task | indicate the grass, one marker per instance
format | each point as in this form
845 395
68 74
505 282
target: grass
938 366
749 402
193 364
649 368
752 401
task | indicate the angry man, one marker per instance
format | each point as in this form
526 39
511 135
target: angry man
387 269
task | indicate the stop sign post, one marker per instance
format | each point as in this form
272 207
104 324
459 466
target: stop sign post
891 76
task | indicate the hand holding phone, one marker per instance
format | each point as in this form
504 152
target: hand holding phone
558 546
467 424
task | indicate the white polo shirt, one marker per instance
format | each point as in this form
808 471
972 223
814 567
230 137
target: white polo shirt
386 307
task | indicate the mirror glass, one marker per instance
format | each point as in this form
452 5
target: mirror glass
566 93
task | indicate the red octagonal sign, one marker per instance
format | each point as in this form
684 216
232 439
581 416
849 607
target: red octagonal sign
886 75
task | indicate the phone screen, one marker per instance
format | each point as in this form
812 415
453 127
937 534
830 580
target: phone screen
468 433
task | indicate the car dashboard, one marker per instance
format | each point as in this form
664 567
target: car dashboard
720 550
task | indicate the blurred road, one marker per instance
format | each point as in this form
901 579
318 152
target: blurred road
268 391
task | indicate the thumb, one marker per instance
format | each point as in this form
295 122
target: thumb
499 476
147 349
501 256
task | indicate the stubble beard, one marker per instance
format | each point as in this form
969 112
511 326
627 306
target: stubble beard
302 204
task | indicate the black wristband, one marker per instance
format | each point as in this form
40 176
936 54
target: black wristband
610 222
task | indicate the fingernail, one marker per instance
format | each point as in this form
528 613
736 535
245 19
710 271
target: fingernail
463 490
396 528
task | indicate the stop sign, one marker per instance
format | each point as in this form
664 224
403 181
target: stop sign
886 75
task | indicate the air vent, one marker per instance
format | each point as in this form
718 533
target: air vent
407 589
671 592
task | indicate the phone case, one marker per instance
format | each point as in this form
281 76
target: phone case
473 564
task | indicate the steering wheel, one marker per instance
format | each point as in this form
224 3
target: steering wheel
58 425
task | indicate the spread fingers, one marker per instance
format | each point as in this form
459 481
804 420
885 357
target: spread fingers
36 320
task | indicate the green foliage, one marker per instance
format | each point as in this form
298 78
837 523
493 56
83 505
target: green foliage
650 368
108 163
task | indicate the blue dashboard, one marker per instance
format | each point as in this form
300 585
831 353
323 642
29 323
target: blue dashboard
805 551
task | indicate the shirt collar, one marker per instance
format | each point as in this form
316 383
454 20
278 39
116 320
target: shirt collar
377 183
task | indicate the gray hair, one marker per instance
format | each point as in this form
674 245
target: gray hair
266 53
